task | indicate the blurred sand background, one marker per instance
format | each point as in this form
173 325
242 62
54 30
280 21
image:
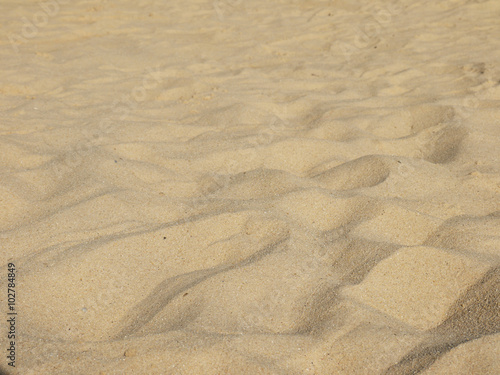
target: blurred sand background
259 187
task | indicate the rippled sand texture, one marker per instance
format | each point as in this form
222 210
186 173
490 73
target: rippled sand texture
257 187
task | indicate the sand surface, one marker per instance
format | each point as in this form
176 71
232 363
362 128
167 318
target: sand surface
261 187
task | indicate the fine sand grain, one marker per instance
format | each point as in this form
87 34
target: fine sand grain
251 187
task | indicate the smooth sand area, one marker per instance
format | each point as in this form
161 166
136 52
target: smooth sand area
237 187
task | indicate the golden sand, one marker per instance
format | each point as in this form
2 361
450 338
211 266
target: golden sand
260 187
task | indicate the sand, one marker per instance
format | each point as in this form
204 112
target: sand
260 187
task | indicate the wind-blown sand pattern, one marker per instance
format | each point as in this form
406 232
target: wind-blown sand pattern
260 187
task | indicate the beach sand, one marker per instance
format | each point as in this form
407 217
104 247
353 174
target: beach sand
260 187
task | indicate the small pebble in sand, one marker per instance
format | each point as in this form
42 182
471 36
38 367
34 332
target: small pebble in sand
131 352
